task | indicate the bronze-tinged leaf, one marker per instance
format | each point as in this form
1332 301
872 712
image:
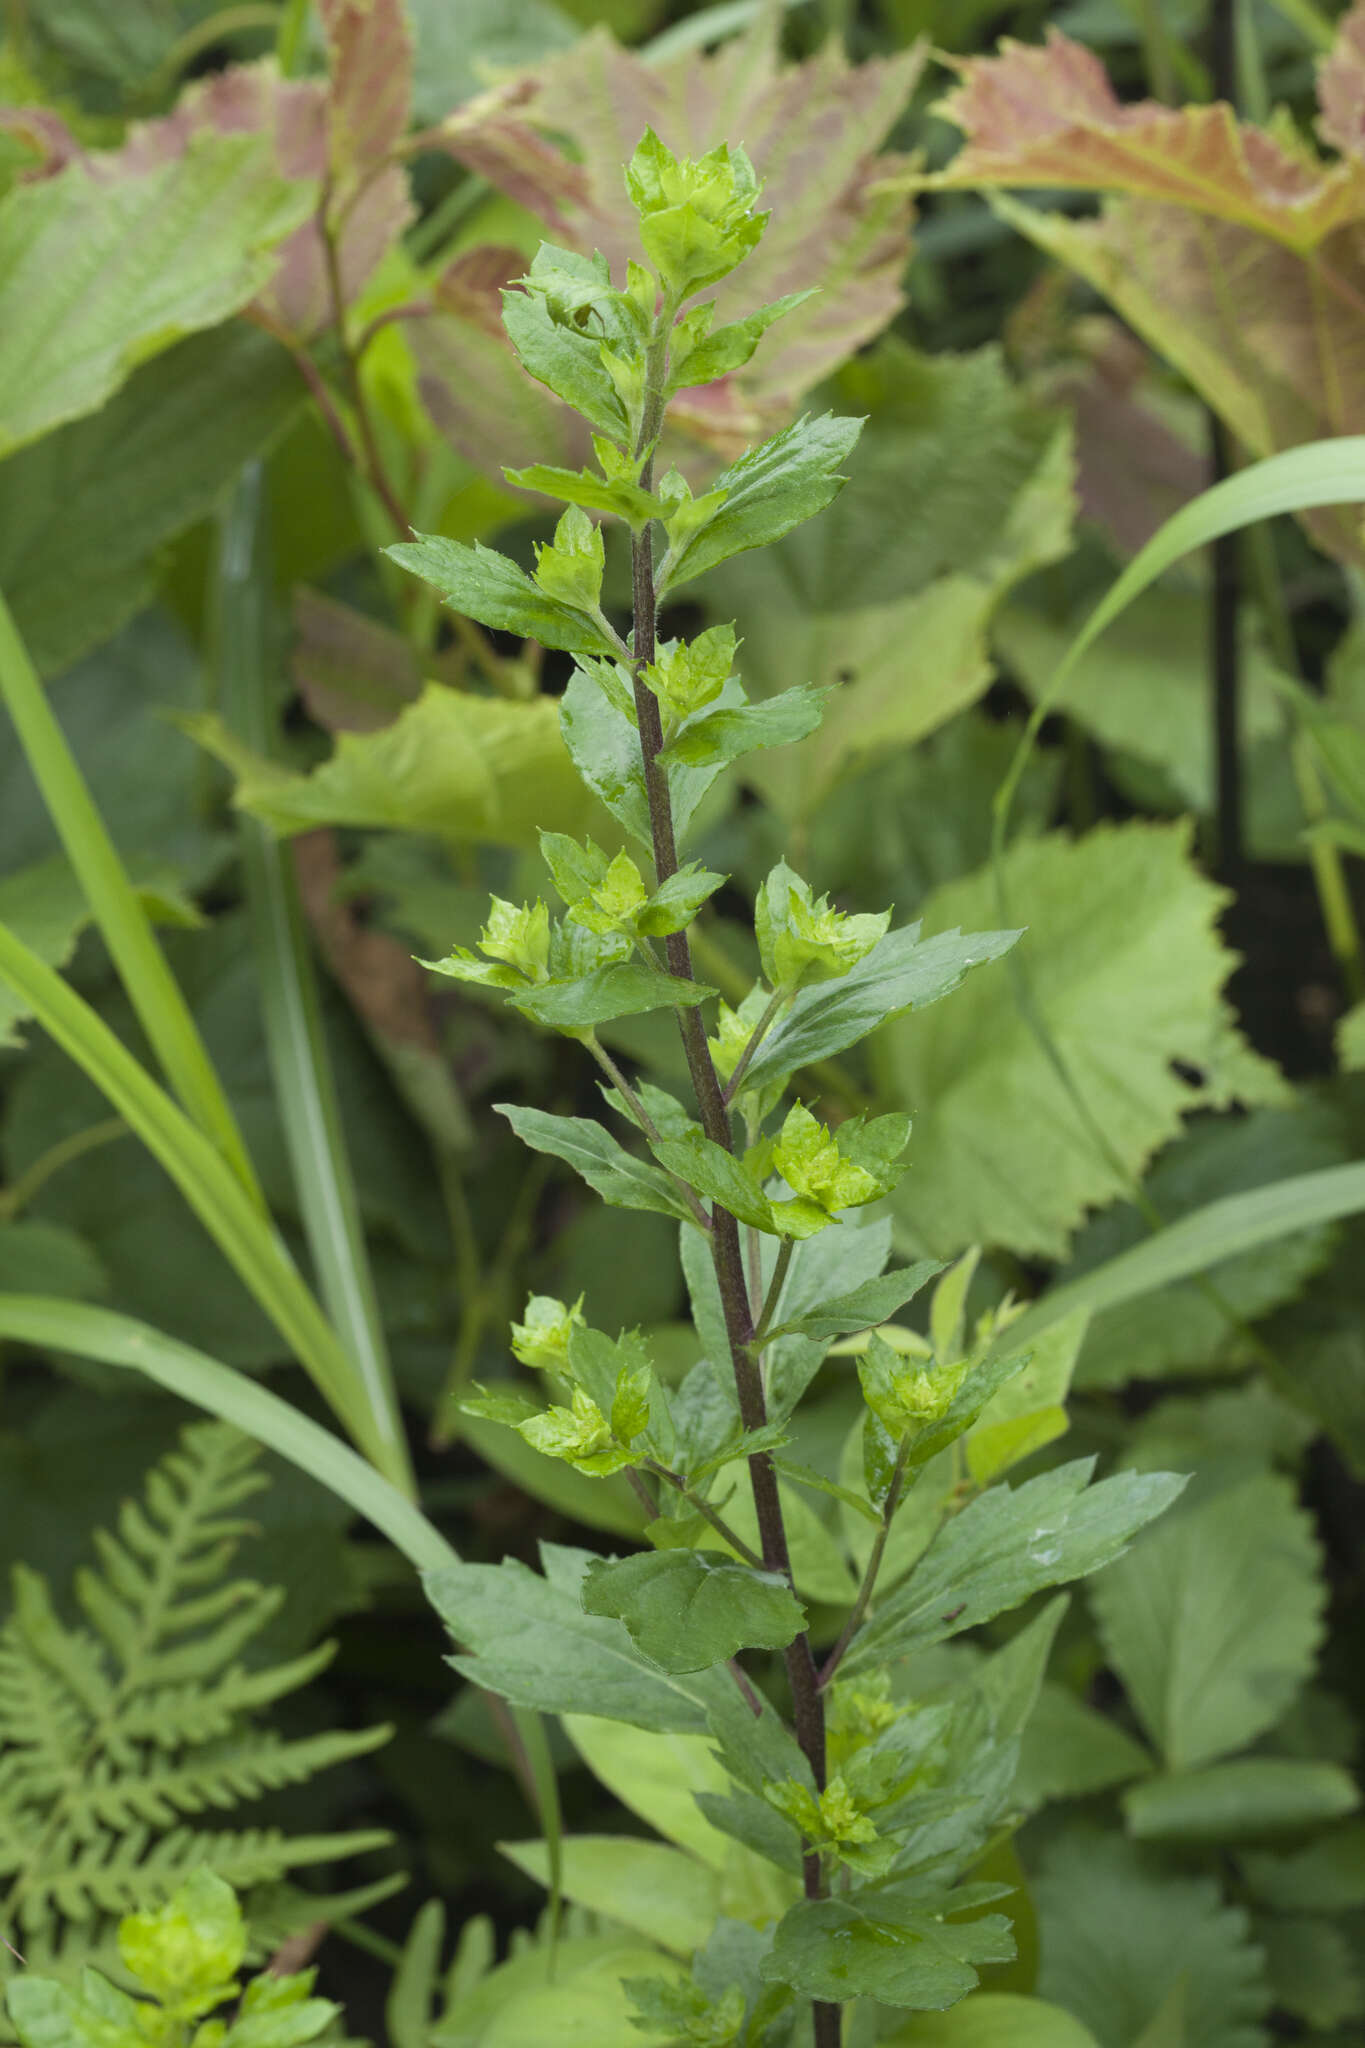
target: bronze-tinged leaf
353 674
1049 116
369 49
1232 250
812 130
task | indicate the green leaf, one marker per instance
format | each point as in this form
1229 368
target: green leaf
687 1609
77 559
581 487
1314 1970
1328 1876
486 586
1213 1621
1118 1936
902 972
596 1503
529 1640
625 989
567 362
1029 1410
617 1176
605 748
463 768
658 1891
876 1301
723 350
44 1258
1250 1796
767 492
961 486
1070 1750
717 1174
1125 968
101 272
898 1951
990 2019
1007 1545
723 732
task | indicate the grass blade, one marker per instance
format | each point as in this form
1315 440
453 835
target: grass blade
1183 1250
152 989
246 1237
103 1334
300 1063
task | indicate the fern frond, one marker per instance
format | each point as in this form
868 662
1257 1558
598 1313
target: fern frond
114 1730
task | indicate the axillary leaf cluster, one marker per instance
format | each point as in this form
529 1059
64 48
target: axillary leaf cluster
120 1735
756 1182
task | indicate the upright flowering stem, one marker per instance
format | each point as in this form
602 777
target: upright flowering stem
802 1676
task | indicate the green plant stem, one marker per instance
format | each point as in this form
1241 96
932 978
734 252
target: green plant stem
708 1514
642 1118
774 1295
874 1565
16 1198
291 35
719 968
759 1033
808 1710
233 21
1156 50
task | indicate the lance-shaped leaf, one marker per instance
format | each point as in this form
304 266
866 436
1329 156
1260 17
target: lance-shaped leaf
902 972
529 1640
724 731
689 1609
605 747
876 1301
463 768
566 362
618 1177
766 493
1229 248
625 988
96 274
485 586
1008 1545
716 1173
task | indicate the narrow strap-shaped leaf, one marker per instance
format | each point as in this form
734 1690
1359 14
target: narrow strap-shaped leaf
300 1063
152 989
247 1239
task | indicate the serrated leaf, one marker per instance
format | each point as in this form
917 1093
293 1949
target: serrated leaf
1314 1970
902 972
1070 1750
1213 1621
1007 1545
719 1175
605 748
767 492
565 361
1125 968
460 767
876 1301
687 1609
486 586
878 1947
100 273
626 988
616 1175
580 487
1119 1935
1247 1797
1328 1876
528 1639
724 732
1217 229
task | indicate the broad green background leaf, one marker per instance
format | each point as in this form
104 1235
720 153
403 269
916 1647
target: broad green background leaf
1214 1619
581 1999
658 1891
1119 1933
1314 1970
1251 1796
1070 1750
959 487
42 1258
99 273
460 767
1126 968
45 905
1179 1328
990 2019
84 513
